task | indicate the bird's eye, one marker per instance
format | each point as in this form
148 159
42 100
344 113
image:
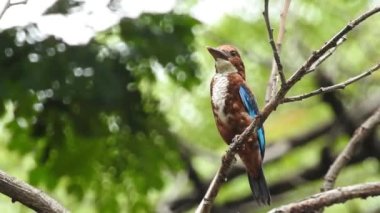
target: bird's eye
233 53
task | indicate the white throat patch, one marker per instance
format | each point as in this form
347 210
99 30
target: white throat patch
224 66
219 95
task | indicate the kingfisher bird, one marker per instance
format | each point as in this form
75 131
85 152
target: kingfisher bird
234 107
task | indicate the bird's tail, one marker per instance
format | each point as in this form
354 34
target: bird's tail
259 188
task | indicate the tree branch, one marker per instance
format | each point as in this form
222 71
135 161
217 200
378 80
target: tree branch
326 55
328 198
227 160
343 117
332 43
207 201
277 67
341 85
278 149
319 170
316 55
28 195
10 4
306 176
348 151
275 151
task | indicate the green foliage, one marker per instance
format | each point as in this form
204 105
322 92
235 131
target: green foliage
168 38
79 109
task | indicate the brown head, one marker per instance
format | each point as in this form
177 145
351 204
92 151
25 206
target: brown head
227 59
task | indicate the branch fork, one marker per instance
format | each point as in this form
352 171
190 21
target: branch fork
11 4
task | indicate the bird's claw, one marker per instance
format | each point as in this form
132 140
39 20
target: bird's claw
235 139
233 145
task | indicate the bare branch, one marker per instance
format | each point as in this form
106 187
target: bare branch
327 55
276 64
341 85
10 4
281 32
275 151
328 198
272 105
348 151
213 189
301 178
208 201
332 43
28 195
278 149
227 160
273 79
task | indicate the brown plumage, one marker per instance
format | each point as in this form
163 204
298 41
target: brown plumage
233 106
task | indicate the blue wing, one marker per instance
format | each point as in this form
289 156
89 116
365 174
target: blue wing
251 107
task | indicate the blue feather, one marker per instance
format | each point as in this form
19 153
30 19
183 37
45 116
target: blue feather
252 109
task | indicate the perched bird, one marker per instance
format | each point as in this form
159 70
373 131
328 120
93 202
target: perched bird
234 107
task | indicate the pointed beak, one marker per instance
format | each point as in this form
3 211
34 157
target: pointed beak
217 53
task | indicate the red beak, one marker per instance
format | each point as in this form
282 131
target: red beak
217 53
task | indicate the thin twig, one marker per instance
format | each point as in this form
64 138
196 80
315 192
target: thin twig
273 79
277 66
348 151
10 4
316 55
332 43
281 32
341 85
29 196
208 201
328 198
327 55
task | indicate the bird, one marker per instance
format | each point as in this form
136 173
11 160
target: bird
234 107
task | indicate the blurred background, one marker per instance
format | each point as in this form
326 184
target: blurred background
105 104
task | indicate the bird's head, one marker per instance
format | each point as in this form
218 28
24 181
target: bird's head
227 59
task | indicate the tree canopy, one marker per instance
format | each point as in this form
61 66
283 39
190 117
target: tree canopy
123 123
